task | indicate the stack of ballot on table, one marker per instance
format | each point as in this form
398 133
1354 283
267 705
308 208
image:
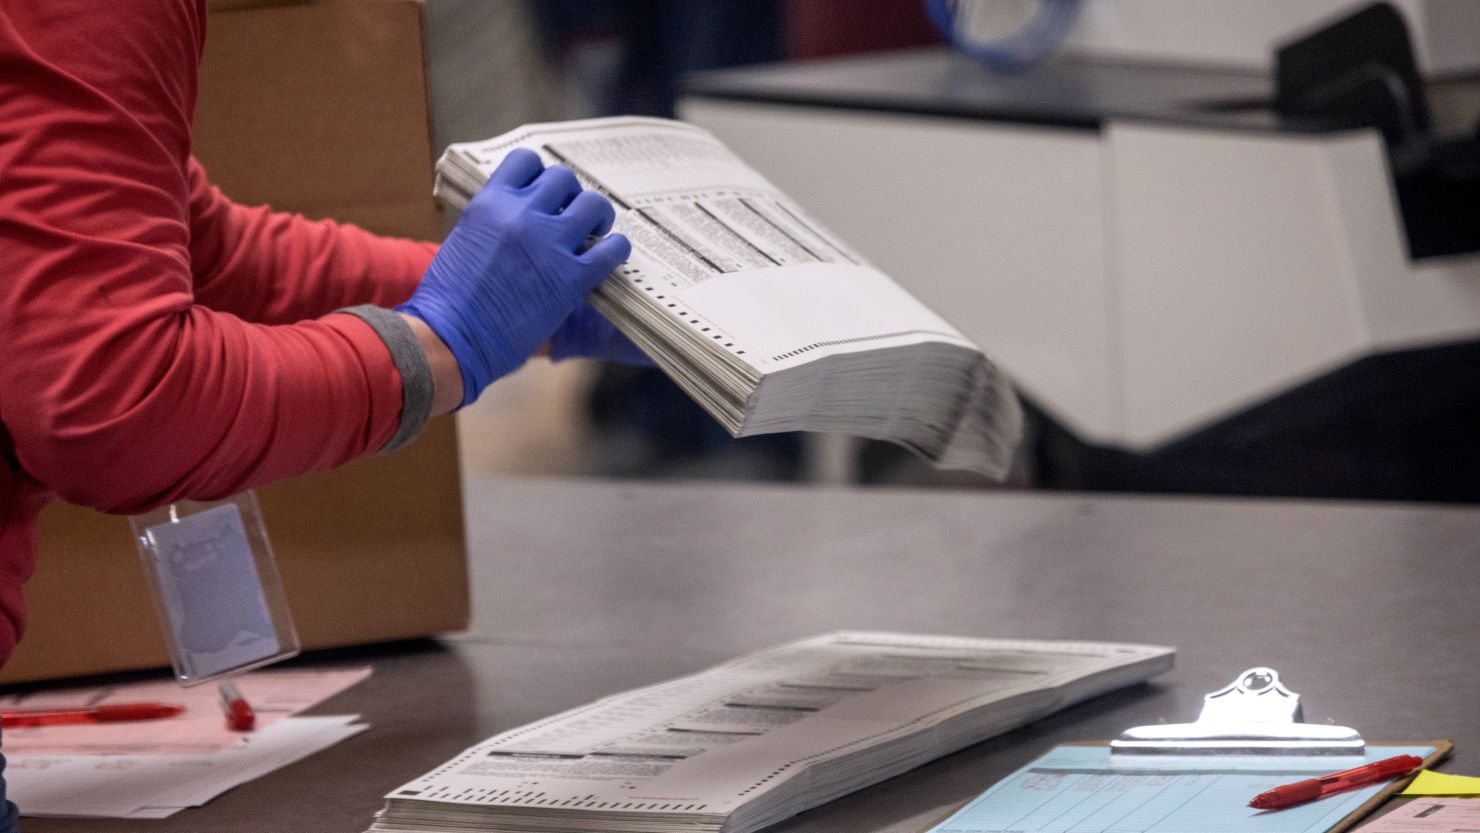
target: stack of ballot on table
763 317
758 739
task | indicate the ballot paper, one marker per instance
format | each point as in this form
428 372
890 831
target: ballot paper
158 786
1429 815
1082 788
761 738
768 320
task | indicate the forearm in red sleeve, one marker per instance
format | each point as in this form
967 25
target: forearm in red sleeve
125 395
275 267
160 402
119 391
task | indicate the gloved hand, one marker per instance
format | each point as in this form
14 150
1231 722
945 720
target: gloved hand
587 333
513 269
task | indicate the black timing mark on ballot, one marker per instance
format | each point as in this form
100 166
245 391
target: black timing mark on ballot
683 244
780 230
735 234
812 231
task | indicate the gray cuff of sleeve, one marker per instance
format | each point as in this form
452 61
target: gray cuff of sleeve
417 386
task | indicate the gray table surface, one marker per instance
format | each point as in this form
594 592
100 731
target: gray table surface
581 589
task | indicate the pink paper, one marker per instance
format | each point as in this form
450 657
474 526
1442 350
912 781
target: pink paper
273 696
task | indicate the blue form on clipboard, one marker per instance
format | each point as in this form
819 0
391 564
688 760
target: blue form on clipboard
1077 789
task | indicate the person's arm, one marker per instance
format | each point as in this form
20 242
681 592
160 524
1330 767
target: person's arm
120 392
275 267
278 267
447 384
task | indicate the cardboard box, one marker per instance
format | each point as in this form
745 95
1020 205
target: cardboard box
320 109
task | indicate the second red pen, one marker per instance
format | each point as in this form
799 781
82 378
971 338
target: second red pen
1312 788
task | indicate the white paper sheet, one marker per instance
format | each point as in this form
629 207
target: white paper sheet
157 786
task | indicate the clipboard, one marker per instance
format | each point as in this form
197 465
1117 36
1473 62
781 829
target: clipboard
1189 778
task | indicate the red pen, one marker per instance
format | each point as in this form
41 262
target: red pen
1312 788
105 713
239 714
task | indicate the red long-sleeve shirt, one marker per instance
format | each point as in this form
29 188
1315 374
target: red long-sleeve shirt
157 341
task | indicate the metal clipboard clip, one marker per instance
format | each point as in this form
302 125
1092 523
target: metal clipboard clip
1253 715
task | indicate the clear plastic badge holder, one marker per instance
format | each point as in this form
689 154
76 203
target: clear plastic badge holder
215 585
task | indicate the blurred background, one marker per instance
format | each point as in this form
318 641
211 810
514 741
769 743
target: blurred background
1223 248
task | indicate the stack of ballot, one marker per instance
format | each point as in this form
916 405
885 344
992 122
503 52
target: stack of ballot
748 743
155 768
760 314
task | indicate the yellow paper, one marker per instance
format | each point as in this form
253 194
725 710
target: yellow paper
1438 783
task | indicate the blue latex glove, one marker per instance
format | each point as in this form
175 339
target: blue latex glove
514 269
587 333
